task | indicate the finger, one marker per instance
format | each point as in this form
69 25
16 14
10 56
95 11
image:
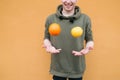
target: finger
55 51
76 53
59 49
84 51
79 54
73 52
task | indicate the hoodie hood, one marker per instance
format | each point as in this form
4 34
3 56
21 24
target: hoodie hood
70 18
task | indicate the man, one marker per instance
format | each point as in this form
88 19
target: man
67 52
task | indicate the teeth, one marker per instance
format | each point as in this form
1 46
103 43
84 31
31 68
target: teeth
68 4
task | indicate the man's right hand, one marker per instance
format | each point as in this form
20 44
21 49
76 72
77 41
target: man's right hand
51 49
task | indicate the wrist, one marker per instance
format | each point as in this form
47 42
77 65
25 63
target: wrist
89 48
47 43
90 45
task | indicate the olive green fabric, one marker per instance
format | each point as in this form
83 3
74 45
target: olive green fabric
65 64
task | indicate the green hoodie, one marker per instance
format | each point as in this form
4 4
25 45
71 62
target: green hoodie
65 64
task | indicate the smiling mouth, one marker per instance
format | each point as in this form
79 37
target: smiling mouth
68 4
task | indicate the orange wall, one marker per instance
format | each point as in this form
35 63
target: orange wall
21 38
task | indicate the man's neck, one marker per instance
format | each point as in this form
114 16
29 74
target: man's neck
67 14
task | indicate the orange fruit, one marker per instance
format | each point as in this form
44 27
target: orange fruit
54 29
76 31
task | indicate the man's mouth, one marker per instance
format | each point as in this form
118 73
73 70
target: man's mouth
68 4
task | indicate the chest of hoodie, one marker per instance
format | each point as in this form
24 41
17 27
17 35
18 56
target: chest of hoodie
65 39
66 26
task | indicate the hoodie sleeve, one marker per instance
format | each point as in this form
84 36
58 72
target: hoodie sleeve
88 31
46 32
